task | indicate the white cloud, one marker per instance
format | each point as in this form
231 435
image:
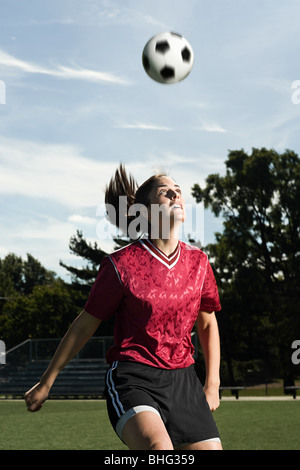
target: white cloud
171 158
60 71
55 172
47 239
144 126
108 12
81 220
212 128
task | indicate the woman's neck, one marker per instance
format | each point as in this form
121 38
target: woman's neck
167 246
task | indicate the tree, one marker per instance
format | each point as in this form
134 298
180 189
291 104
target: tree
33 301
46 312
256 258
18 275
83 278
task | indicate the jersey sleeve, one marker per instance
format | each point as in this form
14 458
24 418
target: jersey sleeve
106 293
210 301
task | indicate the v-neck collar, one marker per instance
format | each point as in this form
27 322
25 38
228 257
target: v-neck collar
168 261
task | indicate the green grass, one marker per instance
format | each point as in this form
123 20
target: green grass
259 425
84 425
59 425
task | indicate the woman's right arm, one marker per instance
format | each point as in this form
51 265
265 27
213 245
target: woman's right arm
83 327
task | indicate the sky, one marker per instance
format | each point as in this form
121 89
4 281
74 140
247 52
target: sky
75 101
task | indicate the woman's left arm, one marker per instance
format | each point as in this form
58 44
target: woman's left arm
208 334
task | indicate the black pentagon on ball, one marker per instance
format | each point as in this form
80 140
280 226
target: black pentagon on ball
162 46
167 73
186 54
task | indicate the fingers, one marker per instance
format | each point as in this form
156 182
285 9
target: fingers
34 399
30 402
33 405
33 410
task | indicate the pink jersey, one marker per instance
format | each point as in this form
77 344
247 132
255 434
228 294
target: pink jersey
156 300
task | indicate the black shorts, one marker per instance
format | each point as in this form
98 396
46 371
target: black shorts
176 395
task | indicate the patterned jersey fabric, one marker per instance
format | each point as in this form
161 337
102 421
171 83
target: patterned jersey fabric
155 299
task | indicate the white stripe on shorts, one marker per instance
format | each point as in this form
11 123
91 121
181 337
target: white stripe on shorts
113 392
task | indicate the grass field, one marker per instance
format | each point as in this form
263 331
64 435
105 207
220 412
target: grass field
84 425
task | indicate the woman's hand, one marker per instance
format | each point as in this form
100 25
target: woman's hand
82 328
212 396
36 396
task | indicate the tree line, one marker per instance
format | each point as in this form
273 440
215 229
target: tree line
255 259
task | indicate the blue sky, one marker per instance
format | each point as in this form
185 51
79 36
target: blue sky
77 102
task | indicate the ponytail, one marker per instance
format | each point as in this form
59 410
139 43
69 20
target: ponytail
125 187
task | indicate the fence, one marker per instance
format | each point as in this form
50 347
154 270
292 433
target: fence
37 350
82 377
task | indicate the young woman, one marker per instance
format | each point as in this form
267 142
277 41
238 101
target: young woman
158 288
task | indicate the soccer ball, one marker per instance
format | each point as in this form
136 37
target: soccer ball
168 58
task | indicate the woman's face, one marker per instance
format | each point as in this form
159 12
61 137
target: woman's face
167 195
